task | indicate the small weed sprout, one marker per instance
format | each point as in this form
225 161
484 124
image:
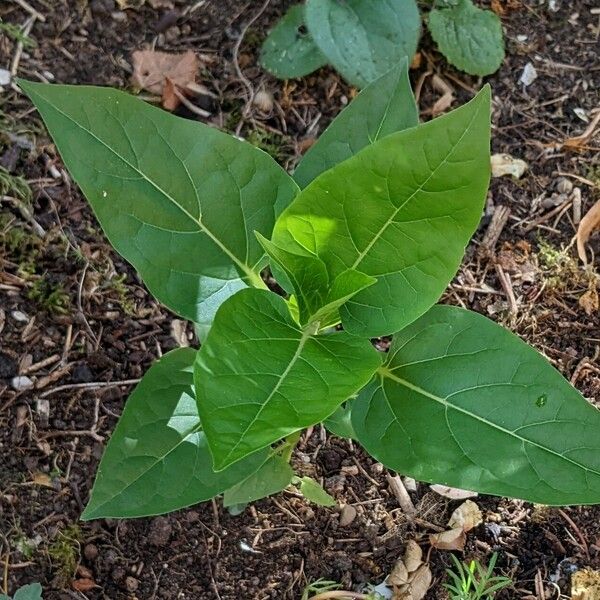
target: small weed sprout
472 581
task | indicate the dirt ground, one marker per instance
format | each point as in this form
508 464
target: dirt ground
76 320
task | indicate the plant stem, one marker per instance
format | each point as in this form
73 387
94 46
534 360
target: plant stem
290 444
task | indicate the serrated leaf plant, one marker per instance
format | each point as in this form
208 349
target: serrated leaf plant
363 39
364 237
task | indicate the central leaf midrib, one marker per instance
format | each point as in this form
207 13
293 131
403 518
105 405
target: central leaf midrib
301 343
158 459
385 373
420 187
202 227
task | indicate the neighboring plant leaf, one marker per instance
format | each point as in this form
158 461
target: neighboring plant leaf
363 39
340 422
313 491
289 51
32 591
469 37
157 460
402 210
385 106
317 299
178 199
260 377
273 476
465 403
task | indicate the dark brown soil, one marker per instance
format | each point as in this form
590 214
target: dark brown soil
68 299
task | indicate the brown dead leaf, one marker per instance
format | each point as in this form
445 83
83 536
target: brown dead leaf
589 301
160 73
452 493
454 539
399 575
585 585
466 516
589 222
505 164
83 585
416 588
42 479
413 556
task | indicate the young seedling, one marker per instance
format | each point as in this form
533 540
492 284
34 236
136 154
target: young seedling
367 235
363 39
472 581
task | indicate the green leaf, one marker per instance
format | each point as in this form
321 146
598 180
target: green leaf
402 210
340 422
157 459
464 402
363 39
317 300
313 491
385 106
32 591
274 475
469 37
178 199
260 377
289 51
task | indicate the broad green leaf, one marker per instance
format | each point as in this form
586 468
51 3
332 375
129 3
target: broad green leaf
340 422
32 591
464 402
260 377
313 491
273 476
178 199
385 106
402 210
289 51
317 299
469 37
158 460
363 39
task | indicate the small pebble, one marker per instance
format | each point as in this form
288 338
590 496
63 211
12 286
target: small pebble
42 409
263 100
5 77
119 16
564 185
347 515
132 584
529 75
160 532
21 383
90 551
19 316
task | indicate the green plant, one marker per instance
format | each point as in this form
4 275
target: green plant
16 33
367 234
363 39
33 591
473 582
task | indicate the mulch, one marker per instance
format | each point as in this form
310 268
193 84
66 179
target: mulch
77 322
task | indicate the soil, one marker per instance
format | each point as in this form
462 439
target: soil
76 320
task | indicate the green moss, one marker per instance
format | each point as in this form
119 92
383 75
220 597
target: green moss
15 186
65 552
49 296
